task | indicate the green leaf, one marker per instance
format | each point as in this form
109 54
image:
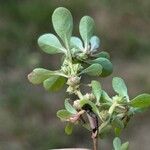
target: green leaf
93 106
63 114
141 101
103 54
38 75
136 110
107 66
69 128
86 28
105 97
50 44
117 123
95 42
54 83
63 23
117 144
97 90
125 146
76 42
103 125
120 87
69 107
105 131
93 70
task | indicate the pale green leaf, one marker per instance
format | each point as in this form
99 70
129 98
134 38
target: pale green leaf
50 44
93 70
136 110
86 28
54 83
117 123
105 97
120 87
105 131
107 66
125 146
103 125
38 75
97 90
95 43
141 101
117 144
69 128
63 23
63 114
102 54
69 107
76 42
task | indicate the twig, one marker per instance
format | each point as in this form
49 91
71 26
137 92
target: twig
95 143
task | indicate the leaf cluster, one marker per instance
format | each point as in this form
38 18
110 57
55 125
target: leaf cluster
80 55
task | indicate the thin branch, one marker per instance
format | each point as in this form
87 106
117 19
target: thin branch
95 143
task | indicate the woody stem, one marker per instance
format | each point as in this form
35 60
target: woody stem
95 143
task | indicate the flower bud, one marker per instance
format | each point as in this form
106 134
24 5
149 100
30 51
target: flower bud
76 104
70 89
73 81
89 96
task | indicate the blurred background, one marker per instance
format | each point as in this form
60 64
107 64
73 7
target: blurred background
28 113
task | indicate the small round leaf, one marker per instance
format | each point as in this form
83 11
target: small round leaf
69 128
105 97
86 28
117 143
95 43
63 23
50 44
54 83
76 42
102 54
93 70
141 101
38 75
97 90
63 114
107 66
120 87
69 107
125 146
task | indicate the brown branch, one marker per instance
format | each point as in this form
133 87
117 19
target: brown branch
95 143
93 120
